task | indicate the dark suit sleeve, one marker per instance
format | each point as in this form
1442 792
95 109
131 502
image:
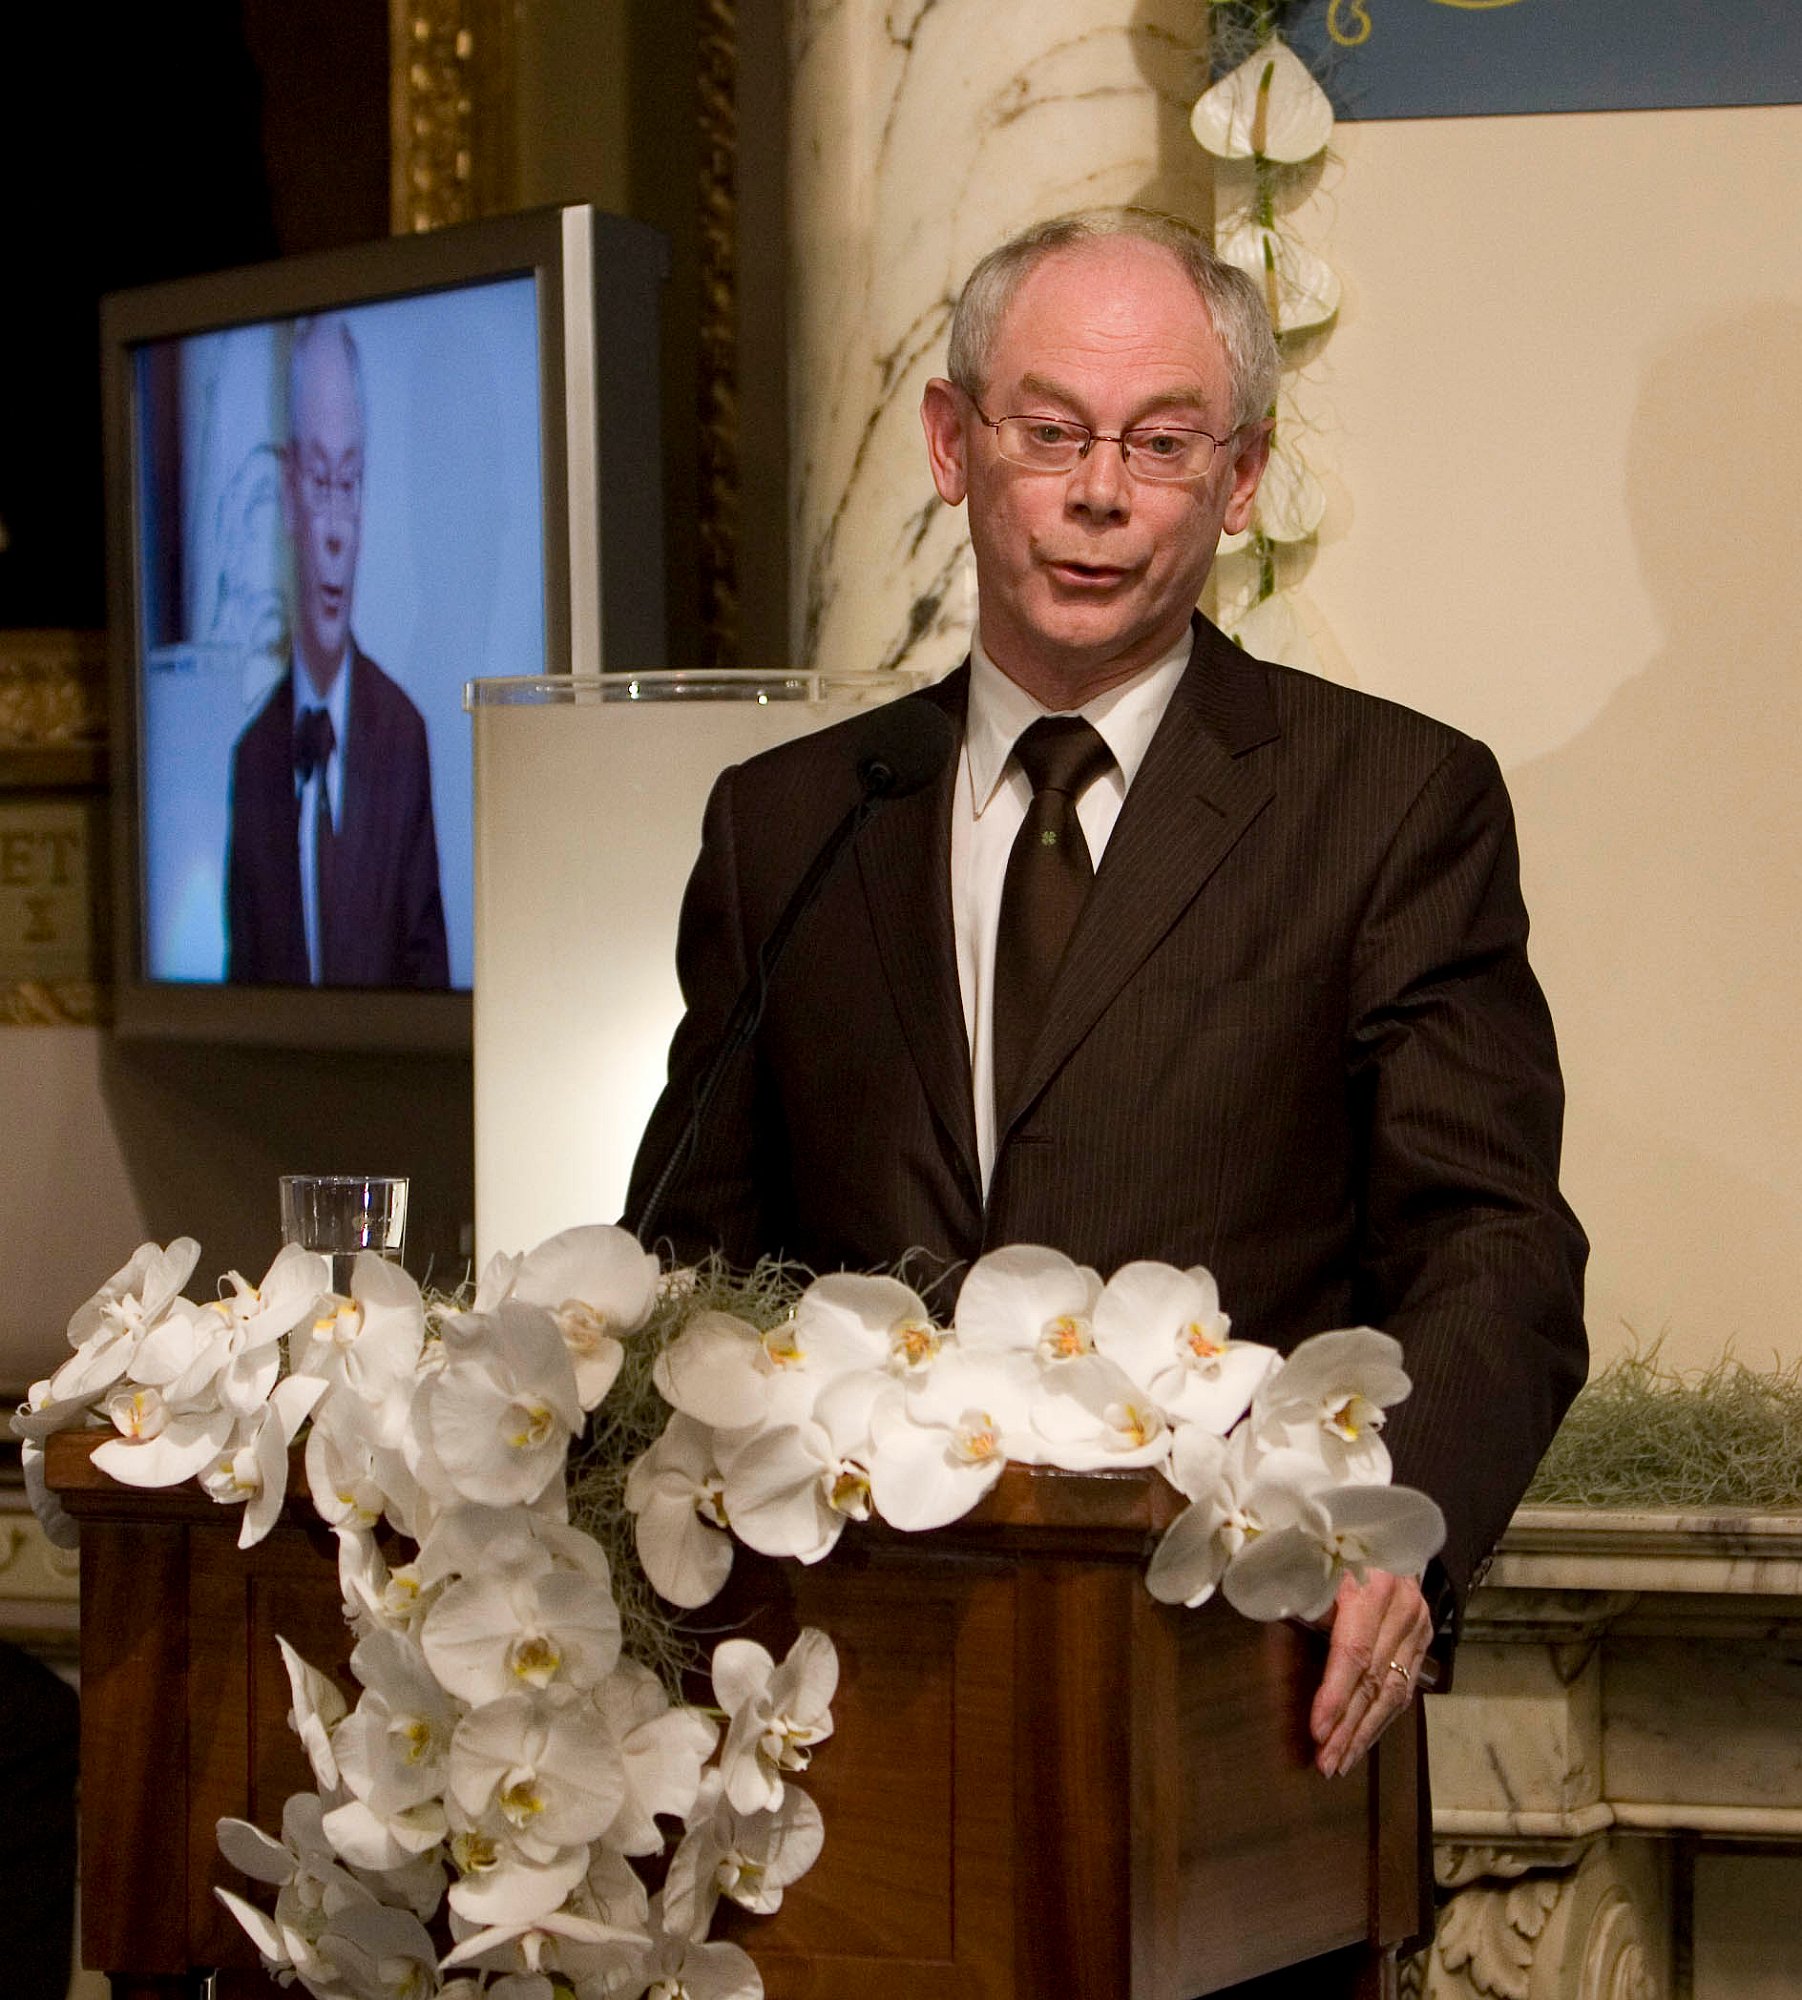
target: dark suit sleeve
713 1197
424 954
1470 1257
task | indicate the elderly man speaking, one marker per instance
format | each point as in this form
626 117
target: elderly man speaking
1181 956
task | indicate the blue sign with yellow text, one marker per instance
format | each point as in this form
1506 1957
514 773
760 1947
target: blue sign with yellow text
1473 58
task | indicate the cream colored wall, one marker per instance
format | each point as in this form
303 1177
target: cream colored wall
67 1204
1561 420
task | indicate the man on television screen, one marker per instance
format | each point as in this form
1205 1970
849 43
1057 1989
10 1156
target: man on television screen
332 872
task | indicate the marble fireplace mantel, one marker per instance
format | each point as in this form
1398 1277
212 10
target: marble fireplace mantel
1628 1694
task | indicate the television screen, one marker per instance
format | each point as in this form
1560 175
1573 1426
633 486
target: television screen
339 514
344 487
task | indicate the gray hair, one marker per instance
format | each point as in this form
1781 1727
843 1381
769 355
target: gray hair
306 332
1235 305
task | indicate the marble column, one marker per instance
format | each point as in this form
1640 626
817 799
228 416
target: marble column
922 133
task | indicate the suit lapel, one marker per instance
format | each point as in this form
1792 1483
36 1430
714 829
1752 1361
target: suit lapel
904 856
1193 797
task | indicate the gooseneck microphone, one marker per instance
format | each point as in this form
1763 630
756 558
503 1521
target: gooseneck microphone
900 749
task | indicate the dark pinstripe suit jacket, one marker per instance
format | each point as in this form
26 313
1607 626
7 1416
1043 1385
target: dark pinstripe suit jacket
386 922
1295 1038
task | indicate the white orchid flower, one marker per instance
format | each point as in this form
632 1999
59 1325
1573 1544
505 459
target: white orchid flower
676 1494
1164 1327
748 1857
595 1282
257 1317
1092 1415
671 1966
1030 1300
378 1842
370 1343
393 1749
499 1415
319 1706
487 1539
662 1746
1294 1570
1238 1492
500 1883
848 1321
790 1490
169 1428
253 1472
937 1450
528 1941
175 1451
524 1622
137 1295
118 1325
789 1493
377 1597
775 1714
66 1398
106 1331
1328 1398
314 1891
381 1953
547 1762
722 1372
612 1896
352 1478
184 1354
341 1467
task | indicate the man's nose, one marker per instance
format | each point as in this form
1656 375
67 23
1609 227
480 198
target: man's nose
1099 483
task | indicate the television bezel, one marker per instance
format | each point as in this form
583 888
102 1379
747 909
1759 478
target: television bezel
555 247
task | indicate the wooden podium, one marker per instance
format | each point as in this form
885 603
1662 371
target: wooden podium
1043 1784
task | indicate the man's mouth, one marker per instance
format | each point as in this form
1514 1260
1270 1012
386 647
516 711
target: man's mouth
1087 575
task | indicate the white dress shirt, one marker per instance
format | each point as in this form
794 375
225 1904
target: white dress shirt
988 805
337 706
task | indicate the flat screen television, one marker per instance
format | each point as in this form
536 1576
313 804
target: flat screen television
338 488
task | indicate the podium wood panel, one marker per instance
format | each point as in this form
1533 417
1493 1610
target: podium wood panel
1041 1781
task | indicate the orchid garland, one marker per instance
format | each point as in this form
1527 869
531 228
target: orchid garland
508 1761
506 1765
858 1404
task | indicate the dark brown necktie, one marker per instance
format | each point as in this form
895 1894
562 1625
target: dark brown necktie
1048 876
314 741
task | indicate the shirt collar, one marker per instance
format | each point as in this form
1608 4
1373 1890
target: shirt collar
1126 716
336 704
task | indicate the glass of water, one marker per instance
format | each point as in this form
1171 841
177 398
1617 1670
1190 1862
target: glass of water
340 1214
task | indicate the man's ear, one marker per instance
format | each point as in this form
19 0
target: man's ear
942 416
1248 469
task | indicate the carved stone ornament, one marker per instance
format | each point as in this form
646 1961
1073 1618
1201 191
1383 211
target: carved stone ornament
1487 1937
1527 1924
